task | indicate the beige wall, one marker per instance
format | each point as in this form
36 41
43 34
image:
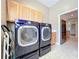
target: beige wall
37 6
60 7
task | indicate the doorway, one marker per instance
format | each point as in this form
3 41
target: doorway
63 31
69 27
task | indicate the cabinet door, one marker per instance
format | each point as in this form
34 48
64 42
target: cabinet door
25 12
53 40
20 11
29 14
39 16
13 10
34 15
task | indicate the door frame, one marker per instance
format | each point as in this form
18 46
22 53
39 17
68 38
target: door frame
59 25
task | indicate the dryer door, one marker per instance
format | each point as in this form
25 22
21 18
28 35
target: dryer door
27 35
46 33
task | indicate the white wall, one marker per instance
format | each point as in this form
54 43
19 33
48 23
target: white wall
60 7
3 20
37 6
3 11
3 14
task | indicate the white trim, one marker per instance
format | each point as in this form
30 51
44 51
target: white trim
68 11
19 42
42 33
59 24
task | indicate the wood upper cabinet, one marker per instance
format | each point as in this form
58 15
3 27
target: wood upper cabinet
36 16
39 17
20 11
13 10
25 12
29 14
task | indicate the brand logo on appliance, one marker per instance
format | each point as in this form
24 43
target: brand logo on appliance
29 22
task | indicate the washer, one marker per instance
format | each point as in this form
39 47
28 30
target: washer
26 39
45 38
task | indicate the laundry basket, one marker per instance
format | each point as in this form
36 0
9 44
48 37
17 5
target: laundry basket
8 43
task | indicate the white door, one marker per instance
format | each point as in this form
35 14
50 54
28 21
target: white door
27 35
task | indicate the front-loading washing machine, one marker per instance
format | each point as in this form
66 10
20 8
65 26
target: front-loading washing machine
45 38
26 39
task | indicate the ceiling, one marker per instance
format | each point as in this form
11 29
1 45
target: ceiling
48 3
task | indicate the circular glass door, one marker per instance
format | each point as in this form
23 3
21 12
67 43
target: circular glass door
46 33
27 35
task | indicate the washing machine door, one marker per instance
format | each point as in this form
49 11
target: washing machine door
27 35
46 33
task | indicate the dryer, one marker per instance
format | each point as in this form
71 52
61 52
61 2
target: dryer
26 39
45 38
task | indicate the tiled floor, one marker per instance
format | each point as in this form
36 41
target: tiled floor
67 50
